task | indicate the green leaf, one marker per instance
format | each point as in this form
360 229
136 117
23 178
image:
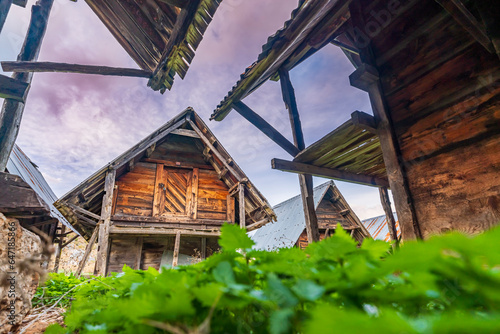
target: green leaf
279 322
233 238
376 248
55 329
279 293
223 273
308 290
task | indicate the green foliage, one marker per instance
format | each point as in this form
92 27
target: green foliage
55 287
447 284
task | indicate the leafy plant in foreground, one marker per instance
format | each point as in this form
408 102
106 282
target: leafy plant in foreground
447 284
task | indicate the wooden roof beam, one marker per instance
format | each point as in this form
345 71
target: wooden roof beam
364 121
162 231
464 17
11 88
265 127
33 66
331 173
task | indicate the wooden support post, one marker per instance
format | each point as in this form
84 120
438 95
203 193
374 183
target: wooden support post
138 254
107 203
230 208
59 249
4 11
241 200
88 250
12 111
305 180
391 222
203 248
265 127
177 245
366 78
194 197
33 66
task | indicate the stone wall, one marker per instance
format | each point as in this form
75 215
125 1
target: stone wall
20 255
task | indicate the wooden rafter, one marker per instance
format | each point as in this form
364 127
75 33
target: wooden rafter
465 18
265 127
331 173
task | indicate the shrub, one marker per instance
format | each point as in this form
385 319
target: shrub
447 284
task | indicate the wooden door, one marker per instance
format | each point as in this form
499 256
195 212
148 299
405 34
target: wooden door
173 192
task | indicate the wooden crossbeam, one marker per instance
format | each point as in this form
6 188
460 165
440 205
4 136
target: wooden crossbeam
33 66
85 219
331 173
69 241
13 89
464 17
162 231
82 210
185 133
364 121
257 225
265 127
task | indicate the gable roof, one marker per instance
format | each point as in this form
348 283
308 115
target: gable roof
19 164
159 35
291 220
88 194
313 24
379 229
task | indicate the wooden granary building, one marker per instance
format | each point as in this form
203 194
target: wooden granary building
289 229
164 201
431 70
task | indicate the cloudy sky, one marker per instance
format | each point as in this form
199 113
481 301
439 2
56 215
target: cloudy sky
74 124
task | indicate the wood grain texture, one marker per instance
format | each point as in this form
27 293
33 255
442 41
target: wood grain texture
104 227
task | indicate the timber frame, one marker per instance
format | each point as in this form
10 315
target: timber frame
386 150
161 36
177 184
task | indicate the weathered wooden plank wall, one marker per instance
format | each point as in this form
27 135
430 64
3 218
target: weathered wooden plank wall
442 90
